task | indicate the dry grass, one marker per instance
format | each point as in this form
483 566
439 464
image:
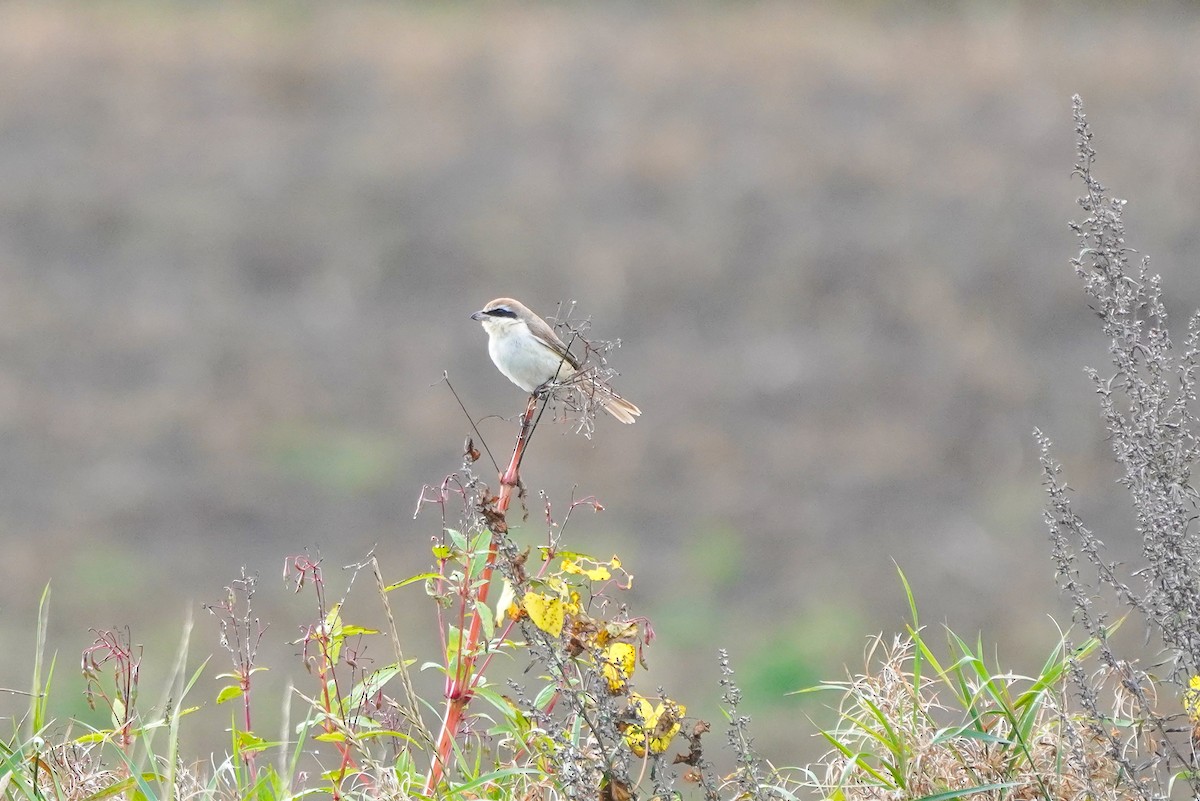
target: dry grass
911 728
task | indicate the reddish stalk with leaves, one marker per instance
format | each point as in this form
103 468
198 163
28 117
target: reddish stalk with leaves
322 643
459 685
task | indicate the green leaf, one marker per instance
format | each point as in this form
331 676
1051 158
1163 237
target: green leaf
229 693
984 788
373 683
858 759
478 562
838 687
487 621
419 576
454 639
113 789
367 735
249 741
466 790
965 730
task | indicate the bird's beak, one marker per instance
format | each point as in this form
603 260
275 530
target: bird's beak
478 316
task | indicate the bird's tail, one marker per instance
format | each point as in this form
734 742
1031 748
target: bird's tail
615 405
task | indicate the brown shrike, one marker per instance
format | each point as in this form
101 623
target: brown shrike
526 349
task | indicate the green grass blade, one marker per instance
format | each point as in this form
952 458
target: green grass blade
40 689
984 788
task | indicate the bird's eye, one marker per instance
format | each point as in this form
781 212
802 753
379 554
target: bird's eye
501 311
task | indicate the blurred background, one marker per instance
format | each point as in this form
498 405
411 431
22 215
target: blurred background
239 245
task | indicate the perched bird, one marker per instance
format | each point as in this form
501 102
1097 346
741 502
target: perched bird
526 349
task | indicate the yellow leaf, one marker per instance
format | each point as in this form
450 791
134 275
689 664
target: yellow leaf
659 725
597 573
617 664
1191 699
668 717
546 612
635 735
333 619
572 605
621 630
507 602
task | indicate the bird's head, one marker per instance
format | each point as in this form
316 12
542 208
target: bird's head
502 314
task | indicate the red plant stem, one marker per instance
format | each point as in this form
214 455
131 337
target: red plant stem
248 755
332 705
458 692
246 700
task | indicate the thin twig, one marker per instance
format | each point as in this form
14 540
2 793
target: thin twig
475 428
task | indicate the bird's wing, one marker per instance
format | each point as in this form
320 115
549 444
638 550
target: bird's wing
545 334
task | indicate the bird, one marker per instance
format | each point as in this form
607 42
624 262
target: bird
526 350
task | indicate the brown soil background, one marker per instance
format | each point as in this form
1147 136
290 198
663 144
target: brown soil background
239 246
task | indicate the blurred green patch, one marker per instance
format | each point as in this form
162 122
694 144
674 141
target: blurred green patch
333 459
90 574
67 704
692 620
717 555
798 655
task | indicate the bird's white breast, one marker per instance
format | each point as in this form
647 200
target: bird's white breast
523 358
